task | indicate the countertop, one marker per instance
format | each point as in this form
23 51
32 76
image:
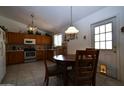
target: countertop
43 49
23 50
14 50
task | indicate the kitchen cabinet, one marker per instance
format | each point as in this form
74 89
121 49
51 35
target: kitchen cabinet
18 38
15 57
44 40
40 54
50 54
29 36
47 40
15 38
39 40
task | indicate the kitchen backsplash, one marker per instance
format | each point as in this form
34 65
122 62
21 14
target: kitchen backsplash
21 47
15 47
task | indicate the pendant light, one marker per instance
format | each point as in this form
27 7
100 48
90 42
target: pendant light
31 27
71 32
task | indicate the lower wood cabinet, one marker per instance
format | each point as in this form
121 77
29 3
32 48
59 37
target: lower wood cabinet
15 57
50 54
40 54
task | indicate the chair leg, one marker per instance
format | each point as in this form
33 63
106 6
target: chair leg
46 80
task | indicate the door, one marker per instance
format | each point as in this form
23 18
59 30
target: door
104 38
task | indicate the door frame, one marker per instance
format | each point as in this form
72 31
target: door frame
116 42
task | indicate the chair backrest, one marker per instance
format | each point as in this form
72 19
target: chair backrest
90 49
85 67
45 62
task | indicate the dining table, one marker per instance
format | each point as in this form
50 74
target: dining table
65 61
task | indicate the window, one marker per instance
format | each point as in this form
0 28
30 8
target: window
102 34
57 40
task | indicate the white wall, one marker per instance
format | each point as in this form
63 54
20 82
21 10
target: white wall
84 27
12 25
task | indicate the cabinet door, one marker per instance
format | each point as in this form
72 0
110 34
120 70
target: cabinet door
46 40
11 38
50 54
19 38
15 57
30 36
40 55
19 57
38 39
10 59
15 38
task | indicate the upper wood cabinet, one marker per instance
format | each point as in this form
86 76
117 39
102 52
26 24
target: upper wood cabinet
15 38
18 38
39 39
44 40
47 40
29 36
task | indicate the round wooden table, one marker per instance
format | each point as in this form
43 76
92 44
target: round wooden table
64 61
64 58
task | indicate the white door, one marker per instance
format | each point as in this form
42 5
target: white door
104 38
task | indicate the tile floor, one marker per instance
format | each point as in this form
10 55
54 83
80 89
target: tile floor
32 74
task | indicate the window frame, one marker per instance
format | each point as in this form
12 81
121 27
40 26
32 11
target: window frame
100 23
54 40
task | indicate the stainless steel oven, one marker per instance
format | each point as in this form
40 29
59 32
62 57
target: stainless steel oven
29 54
29 50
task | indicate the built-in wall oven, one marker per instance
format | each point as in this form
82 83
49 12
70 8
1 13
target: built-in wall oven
29 50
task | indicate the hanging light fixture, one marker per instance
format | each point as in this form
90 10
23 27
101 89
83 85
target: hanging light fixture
71 32
31 27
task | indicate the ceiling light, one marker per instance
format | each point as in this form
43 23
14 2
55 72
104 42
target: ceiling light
71 32
31 27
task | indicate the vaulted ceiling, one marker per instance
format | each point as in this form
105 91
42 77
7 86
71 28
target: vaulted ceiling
49 18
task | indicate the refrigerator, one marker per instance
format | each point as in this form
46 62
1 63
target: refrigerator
2 55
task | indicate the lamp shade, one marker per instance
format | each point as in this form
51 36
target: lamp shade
71 30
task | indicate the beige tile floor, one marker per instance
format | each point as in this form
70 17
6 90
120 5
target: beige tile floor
32 74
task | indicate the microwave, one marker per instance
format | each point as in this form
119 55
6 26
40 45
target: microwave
29 41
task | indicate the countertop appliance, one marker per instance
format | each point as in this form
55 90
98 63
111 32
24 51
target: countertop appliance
2 55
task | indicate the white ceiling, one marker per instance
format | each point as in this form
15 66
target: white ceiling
49 18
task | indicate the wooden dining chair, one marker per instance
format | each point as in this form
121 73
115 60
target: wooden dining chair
50 70
90 49
85 67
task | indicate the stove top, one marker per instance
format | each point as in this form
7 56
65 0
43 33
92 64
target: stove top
29 49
